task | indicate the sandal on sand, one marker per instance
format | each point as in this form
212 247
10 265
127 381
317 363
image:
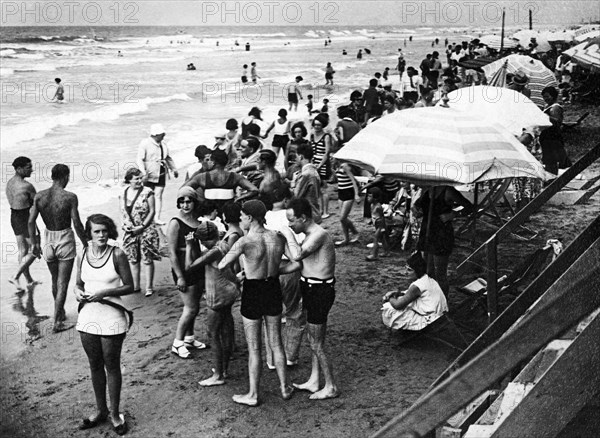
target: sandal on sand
121 429
371 258
195 344
149 292
137 291
181 351
341 243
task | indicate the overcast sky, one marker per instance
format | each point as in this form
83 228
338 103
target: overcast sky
282 12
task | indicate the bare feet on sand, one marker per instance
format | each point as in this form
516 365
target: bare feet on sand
214 380
325 393
308 386
60 326
287 392
245 399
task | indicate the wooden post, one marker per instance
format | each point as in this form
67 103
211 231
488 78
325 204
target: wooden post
492 279
475 203
530 20
502 33
428 229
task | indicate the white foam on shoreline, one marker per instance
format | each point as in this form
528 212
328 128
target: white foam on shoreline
37 128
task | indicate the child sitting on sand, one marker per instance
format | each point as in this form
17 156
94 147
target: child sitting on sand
381 231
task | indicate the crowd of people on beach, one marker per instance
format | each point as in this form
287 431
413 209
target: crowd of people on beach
248 225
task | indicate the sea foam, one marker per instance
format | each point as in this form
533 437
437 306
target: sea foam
37 128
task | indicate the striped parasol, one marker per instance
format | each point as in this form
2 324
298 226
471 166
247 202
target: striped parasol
588 34
508 108
526 37
587 54
439 146
493 42
565 36
538 74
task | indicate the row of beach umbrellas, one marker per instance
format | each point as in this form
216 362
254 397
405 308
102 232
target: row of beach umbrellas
543 39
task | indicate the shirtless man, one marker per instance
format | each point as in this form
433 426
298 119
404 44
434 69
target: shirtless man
58 207
317 262
60 91
261 296
20 194
294 93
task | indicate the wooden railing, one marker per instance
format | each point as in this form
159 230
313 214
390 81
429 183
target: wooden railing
490 247
547 320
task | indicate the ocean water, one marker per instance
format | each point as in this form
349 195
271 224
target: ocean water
112 100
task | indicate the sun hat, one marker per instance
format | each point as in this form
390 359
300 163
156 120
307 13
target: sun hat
187 191
520 78
157 129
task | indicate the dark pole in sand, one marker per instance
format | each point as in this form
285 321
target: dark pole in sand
428 230
530 20
475 202
502 33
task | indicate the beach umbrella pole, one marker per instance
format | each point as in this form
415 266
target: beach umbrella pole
502 32
428 230
530 20
474 226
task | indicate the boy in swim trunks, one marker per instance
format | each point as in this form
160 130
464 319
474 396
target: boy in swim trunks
317 284
20 194
261 295
58 208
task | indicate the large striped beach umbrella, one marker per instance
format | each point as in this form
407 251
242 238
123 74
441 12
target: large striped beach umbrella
538 74
586 54
509 108
440 146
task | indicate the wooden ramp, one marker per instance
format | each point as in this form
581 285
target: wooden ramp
561 372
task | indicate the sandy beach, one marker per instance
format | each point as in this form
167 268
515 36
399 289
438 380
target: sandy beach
122 79
46 387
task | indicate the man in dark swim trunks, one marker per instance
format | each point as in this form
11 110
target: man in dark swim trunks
261 296
58 208
20 194
317 284
294 93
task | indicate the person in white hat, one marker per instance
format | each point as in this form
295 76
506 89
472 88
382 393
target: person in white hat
154 161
